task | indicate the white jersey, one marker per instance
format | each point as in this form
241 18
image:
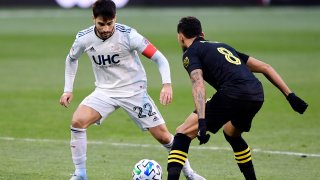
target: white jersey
116 65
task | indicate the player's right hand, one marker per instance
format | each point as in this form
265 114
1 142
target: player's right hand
202 136
296 103
166 94
66 99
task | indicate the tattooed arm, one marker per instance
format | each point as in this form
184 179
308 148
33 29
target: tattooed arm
199 97
198 92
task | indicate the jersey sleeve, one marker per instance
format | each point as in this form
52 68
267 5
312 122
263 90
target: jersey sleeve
243 56
71 65
191 62
137 41
163 66
70 74
77 48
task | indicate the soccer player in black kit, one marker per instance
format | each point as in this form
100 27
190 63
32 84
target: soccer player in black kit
238 98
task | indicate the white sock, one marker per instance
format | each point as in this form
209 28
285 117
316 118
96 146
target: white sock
186 170
169 145
78 146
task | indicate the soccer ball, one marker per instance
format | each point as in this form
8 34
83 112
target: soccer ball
147 169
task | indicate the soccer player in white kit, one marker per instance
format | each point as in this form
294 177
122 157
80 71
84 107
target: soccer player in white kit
120 81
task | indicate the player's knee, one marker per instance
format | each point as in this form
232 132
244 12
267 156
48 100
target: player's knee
79 122
180 129
231 137
191 133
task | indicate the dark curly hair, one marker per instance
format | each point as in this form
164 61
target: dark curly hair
104 8
189 26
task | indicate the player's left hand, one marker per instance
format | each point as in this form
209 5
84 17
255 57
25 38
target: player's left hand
296 103
202 136
166 94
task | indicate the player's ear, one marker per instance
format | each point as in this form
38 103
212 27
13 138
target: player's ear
180 37
93 19
202 34
115 18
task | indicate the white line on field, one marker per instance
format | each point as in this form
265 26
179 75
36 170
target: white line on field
157 146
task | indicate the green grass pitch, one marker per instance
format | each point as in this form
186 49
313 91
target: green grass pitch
34 128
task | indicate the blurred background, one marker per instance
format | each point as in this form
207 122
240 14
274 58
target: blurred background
153 3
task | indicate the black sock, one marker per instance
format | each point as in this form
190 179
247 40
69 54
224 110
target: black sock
178 155
242 156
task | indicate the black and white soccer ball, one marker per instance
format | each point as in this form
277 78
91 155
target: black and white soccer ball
147 169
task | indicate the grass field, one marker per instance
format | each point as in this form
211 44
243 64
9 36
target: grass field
34 128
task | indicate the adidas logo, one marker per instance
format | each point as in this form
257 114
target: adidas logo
155 119
92 49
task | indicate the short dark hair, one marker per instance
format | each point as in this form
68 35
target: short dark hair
104 8
189 26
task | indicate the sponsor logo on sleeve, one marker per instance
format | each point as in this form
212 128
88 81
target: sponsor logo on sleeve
186 62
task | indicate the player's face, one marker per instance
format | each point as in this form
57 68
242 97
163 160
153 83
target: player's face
104 27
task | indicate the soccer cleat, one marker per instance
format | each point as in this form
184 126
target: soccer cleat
194 176
78 177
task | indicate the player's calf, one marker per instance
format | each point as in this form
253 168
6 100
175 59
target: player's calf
178 156
242 156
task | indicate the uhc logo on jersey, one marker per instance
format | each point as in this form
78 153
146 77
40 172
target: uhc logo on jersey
106 59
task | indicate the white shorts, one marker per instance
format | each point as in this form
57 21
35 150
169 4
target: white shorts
140 108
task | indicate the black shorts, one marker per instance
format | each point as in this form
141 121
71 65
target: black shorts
220 109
